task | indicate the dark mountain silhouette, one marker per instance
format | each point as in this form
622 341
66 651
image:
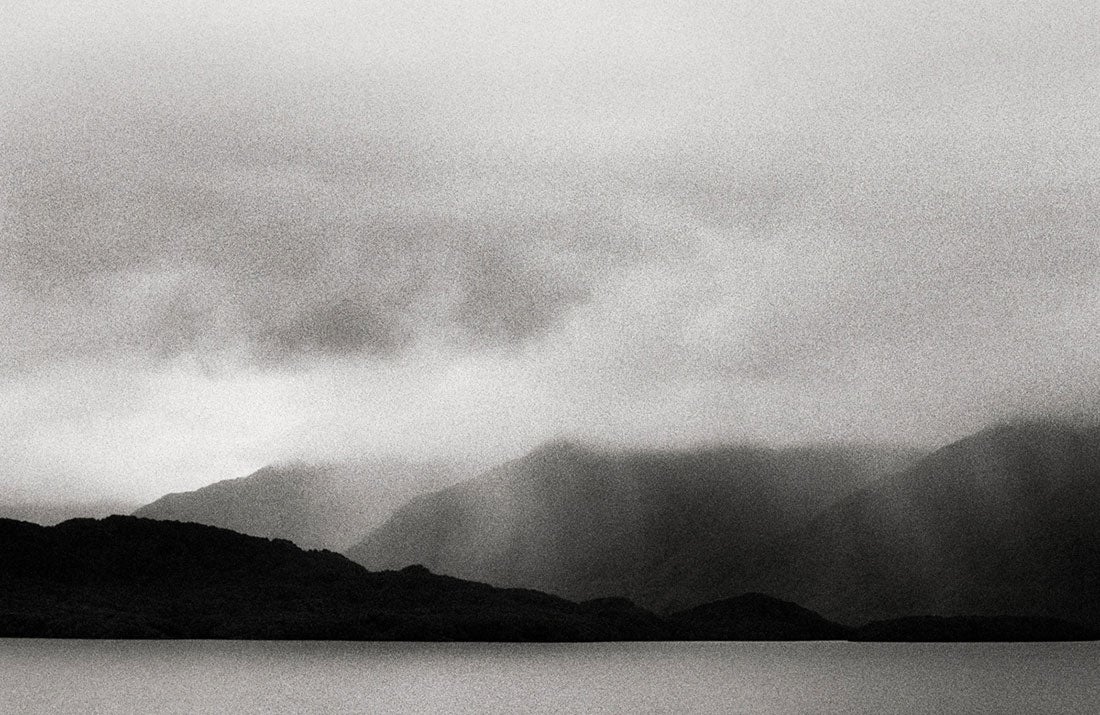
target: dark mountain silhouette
125 577
130 577
1005 522
974 629
315 506
754 616
584 523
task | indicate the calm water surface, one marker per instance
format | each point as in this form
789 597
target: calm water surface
242 677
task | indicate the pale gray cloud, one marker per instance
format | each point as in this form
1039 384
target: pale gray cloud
446 225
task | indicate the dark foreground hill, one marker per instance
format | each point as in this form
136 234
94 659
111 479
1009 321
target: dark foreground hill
585 523
755 616
129 577
124 577
316 506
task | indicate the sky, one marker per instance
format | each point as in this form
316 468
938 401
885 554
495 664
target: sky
233 233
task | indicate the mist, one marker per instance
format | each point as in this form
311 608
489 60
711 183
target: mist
238 235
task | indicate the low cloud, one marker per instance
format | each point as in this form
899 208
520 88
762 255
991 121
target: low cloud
433 228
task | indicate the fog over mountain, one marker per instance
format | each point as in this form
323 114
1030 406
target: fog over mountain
233 235
585 523
1005 522
316 506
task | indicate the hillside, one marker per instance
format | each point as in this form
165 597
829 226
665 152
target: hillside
585 523
315 506
125 577
139 578
48 512
1005 522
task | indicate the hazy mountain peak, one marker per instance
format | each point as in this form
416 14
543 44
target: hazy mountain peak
585 522
1003 521
324 505
563 448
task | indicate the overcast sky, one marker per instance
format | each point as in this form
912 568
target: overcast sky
238 232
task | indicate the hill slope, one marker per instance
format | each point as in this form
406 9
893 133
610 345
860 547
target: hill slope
584 523
314 506
1004 522
49 512
130 577
125 577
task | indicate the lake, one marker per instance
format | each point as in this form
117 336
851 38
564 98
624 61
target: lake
243 677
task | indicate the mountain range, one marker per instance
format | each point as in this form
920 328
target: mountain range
1003 524
126 577
584 523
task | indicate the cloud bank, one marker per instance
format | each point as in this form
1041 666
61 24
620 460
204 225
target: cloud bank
236 233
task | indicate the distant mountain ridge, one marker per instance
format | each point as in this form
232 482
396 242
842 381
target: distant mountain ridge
48 512
1003 523
125 577
1006 521
585 523
326 506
